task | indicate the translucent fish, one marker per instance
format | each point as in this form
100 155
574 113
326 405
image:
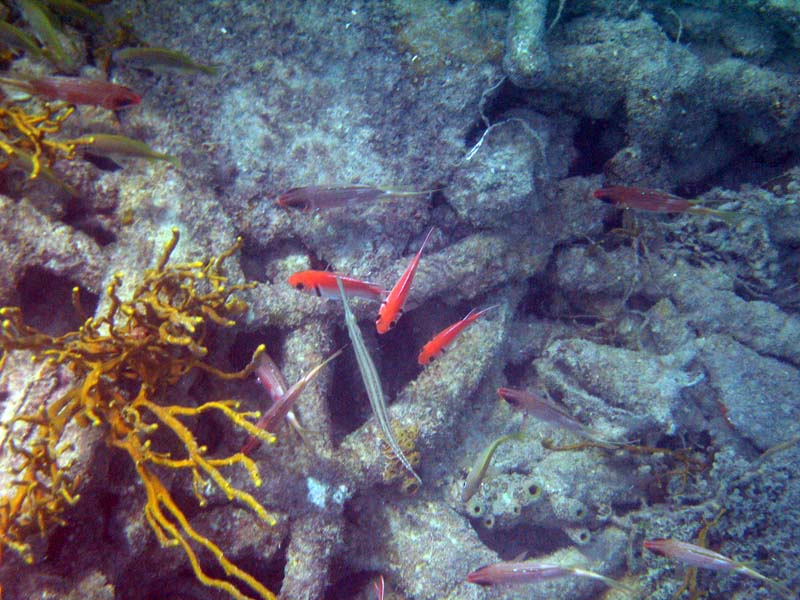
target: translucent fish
162 59
316 197
111 145
530 571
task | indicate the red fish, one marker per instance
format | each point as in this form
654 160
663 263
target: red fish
323 284
392 308
379 587
529 571
446 336
653 201
283 404
274 383
78 90
703 558
315 197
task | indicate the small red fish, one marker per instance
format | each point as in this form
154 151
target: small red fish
78 90
316 197
274 383
379 587
529 571
270 377
653 201
446 336
703 558
392 308
283 403
323 284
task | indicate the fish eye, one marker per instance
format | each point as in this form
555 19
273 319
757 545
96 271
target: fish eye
299 286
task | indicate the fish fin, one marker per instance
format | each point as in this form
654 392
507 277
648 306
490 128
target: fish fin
520 557
612 583
724 215
18 84
174 161
169 158
210 69
779 587
403 192
297 427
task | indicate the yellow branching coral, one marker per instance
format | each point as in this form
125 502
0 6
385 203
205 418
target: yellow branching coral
26 142
124 364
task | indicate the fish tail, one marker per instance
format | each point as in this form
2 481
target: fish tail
19 84
399 192
727 216
173 160
612 583
209 69
782 589
298 428
597 438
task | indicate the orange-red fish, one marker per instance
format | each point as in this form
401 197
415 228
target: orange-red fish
316 197
392 308
446 336
77 90
703 558
653 201
323 284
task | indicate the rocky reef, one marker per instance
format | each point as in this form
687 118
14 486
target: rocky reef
668 341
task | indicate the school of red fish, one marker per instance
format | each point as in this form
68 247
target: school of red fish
324 285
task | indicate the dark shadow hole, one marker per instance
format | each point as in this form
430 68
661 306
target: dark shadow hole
349 584
752 165
510 543
348 401
438 198
269 573
397 353
515 373
596 141
258 261
107 505
538 299
640 302
46 301
210 428
181 583
246 342
95 222
506 97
